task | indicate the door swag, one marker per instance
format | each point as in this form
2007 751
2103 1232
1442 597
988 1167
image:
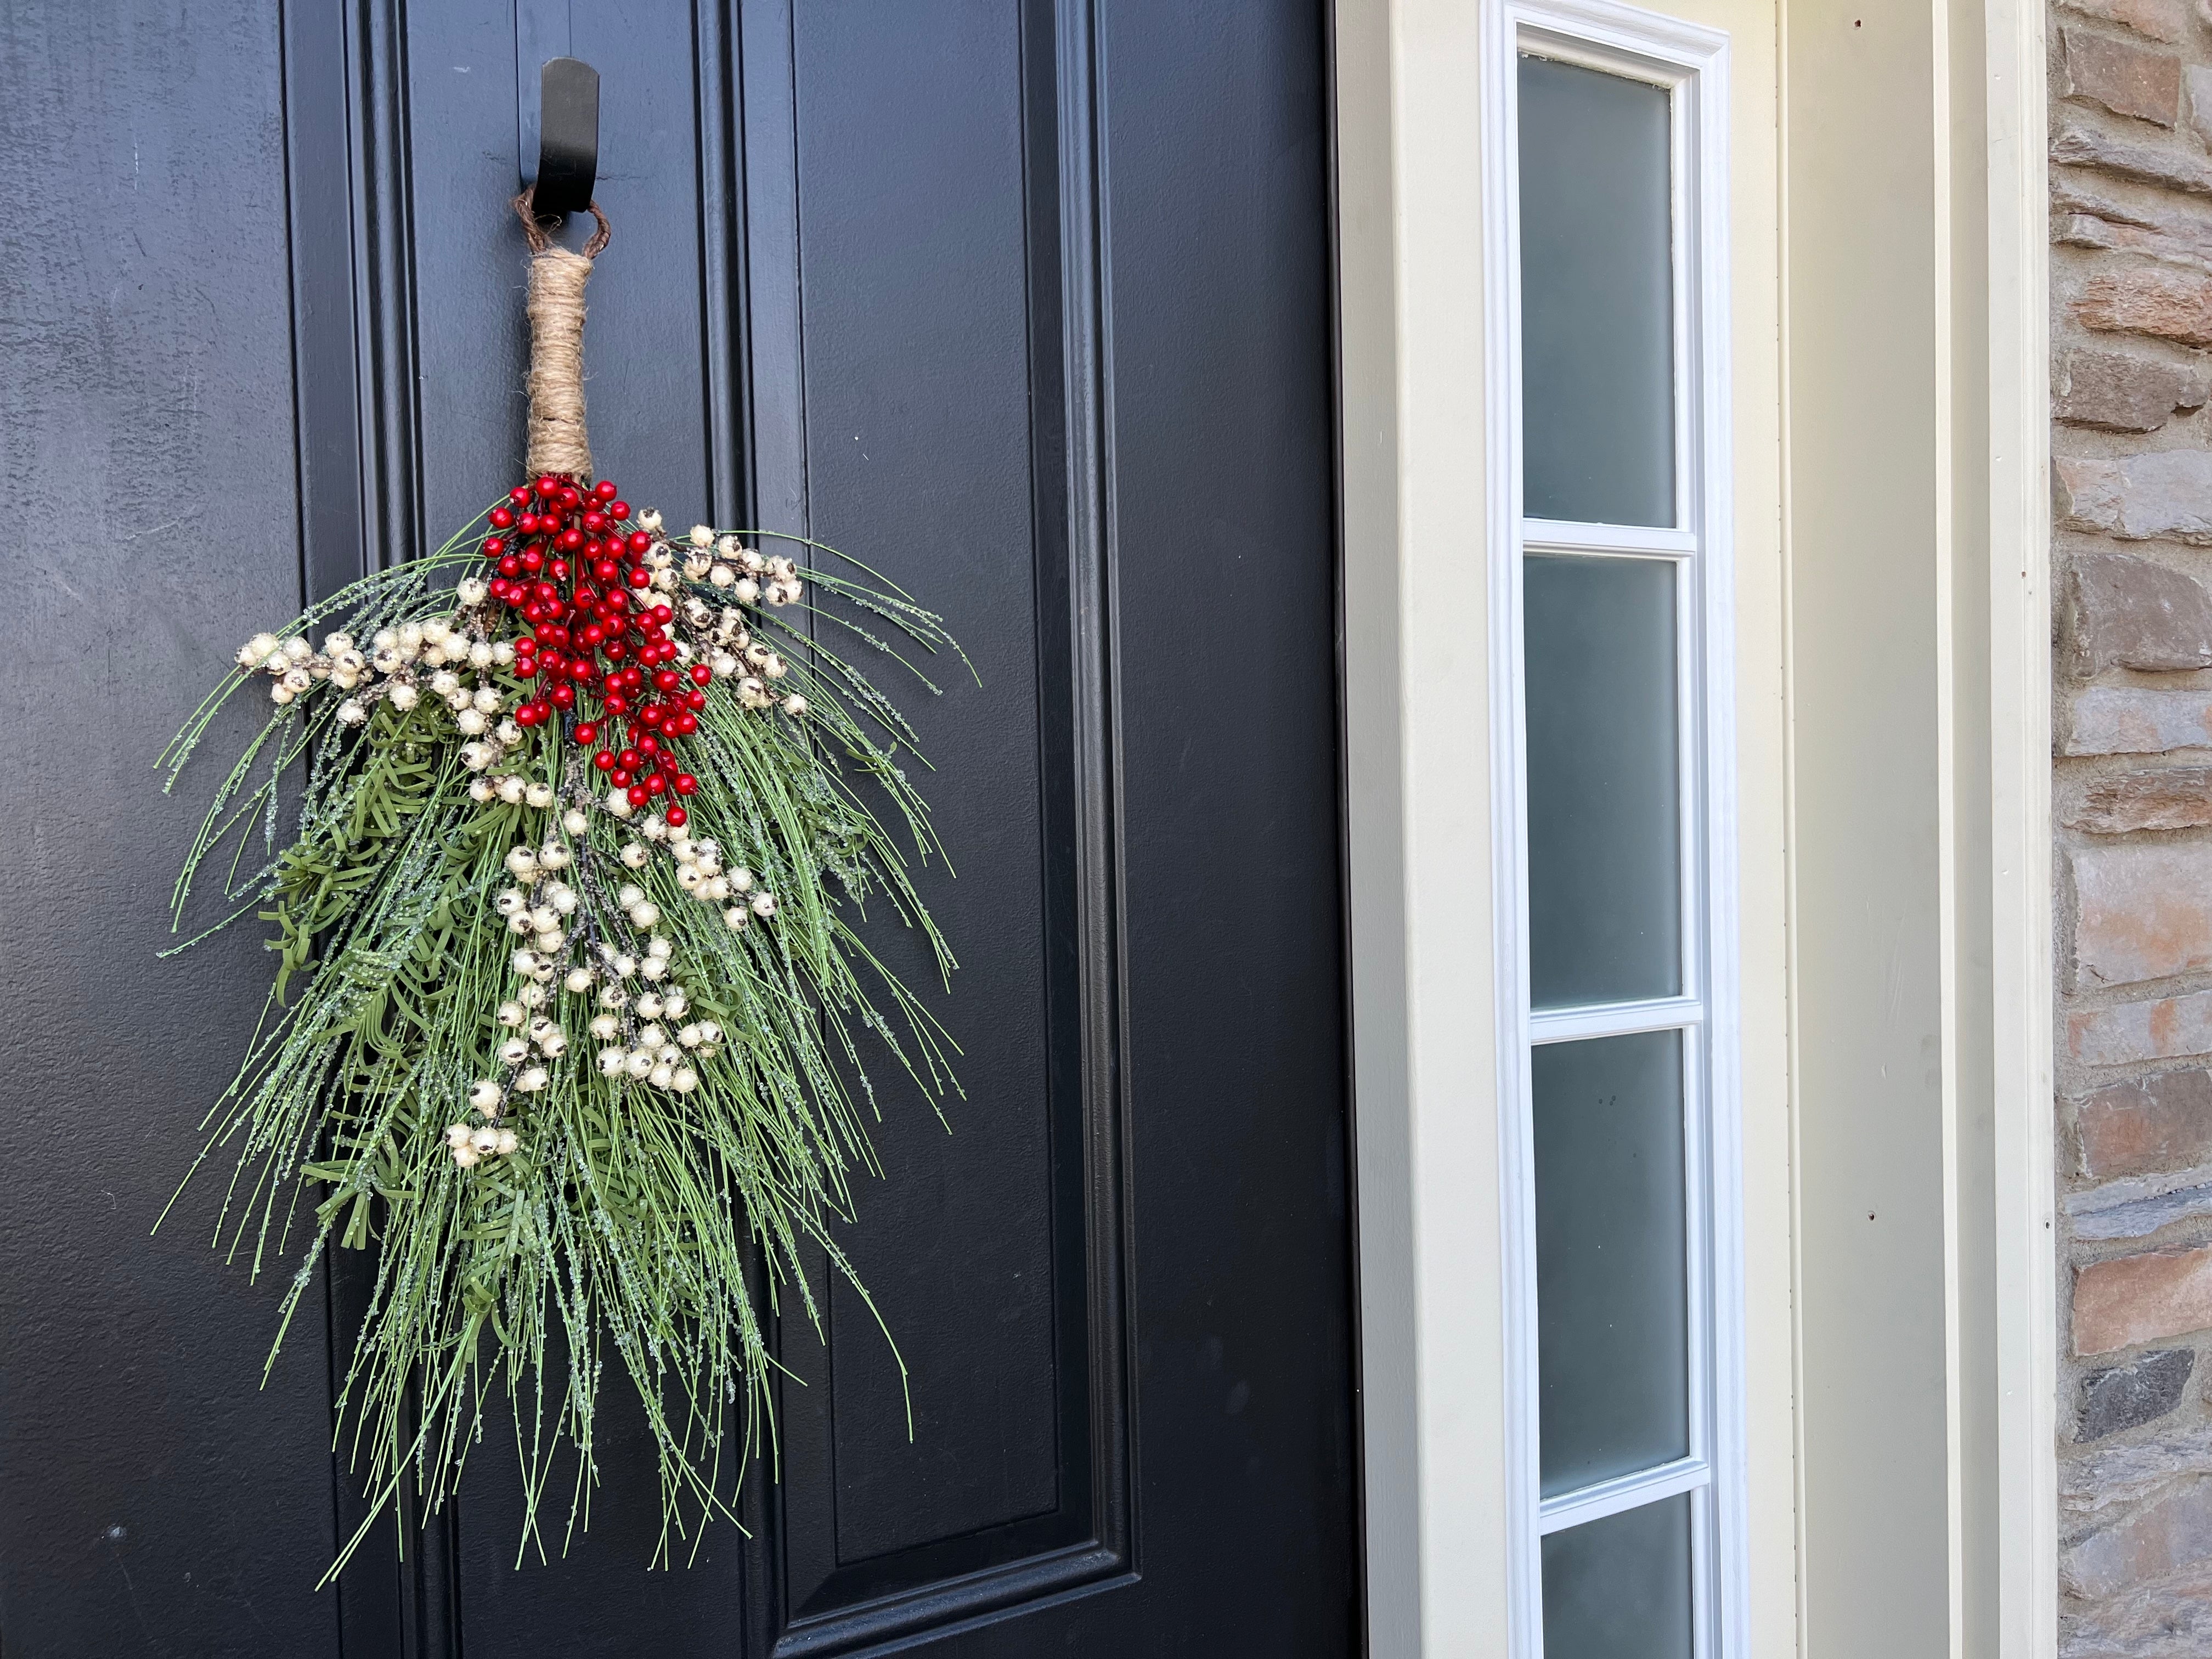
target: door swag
564 859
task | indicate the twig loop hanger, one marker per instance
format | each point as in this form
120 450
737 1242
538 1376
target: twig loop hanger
567 166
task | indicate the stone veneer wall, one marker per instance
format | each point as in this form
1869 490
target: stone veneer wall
2131 370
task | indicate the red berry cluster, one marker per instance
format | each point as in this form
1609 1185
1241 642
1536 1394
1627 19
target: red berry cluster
579 579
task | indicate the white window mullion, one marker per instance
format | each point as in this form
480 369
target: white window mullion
1629 1492
1605 1020
1620 540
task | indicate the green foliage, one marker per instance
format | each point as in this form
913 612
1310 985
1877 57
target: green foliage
668 1229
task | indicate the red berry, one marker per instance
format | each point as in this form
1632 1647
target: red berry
667 680
562 697
595 521
493 546
618 511
617 704
533 560
640 576
656 785
639 541
662 613
649 744
605 490
652 714
695 698
677 817
639 794
605 570
686 784
526 714
549 485
525 668
587 732
571 496
511 565
519 494
558 570
686 723
621 777
501 517
571 540
700 673
603 761
526 525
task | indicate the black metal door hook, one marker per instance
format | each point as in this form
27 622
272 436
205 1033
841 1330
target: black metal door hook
567 138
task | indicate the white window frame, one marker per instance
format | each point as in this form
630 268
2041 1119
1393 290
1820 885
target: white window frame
1691 62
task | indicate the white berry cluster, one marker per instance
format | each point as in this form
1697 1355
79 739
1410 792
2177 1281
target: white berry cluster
539 911
732 652
397 664
746 573
485 753
645 1052
699 872
648 1052
471 1145
294 665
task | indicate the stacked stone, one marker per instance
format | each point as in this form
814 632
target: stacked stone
2131 372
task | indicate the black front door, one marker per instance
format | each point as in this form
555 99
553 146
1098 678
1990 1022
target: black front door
1026 302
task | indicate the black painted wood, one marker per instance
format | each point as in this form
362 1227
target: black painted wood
1024 299
152 1500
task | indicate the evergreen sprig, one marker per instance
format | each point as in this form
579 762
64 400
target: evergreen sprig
667 1230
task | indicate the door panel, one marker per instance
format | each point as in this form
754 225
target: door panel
914 299
151 1500
1025 303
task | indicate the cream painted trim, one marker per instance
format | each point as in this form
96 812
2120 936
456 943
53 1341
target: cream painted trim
1367 447
2026 1276
1416 689
1409 155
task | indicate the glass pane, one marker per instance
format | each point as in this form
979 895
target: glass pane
1597 358
1604 811
1619 1588
1612 1302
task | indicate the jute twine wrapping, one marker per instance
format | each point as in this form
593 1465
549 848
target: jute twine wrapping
558 441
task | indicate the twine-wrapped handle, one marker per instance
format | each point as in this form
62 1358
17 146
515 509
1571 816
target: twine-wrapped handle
558 441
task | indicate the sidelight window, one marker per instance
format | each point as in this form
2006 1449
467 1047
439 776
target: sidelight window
1610 586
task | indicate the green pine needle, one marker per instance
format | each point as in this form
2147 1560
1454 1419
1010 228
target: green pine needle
662 1231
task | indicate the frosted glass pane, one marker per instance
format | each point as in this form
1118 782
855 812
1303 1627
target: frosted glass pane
1597 357
1611 1305
1619 1588
1605 916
